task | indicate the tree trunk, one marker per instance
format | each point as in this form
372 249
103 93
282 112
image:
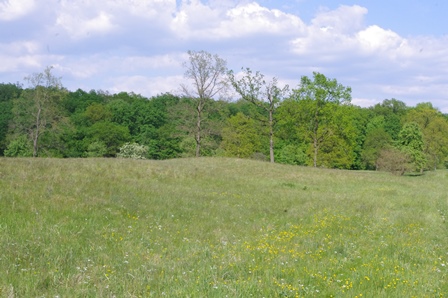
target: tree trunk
198 132
36 132
271 136
315 139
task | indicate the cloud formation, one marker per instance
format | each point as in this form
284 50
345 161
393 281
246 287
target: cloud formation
139 46
14 9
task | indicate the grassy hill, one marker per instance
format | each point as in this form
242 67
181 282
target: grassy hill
214 227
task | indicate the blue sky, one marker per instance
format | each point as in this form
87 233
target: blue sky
382 49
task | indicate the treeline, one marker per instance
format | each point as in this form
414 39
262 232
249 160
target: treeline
313 125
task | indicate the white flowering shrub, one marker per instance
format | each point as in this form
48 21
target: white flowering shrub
132 150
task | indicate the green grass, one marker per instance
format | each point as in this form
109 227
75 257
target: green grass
218 227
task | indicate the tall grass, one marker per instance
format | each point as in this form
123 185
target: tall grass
216 228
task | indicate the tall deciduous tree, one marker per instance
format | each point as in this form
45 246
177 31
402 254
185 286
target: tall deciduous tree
38 109
320 96
376 139
436 142
208 75
267 95
410 141
8 92
434 127
392 110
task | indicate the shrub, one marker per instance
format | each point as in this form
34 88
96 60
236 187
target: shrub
291 154
96 149
393 160
19 147
133 150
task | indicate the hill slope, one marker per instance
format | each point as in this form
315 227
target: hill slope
213 227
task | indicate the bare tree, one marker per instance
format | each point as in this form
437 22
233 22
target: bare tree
208 75
267 95
37 110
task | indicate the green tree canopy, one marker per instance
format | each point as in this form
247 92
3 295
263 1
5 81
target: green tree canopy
434 127
393 111
8 93
319 99
410 141
39 108
112 135
253 88
241 137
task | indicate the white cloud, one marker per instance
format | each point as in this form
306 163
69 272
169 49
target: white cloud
20 47
17 64
331 33
345 19
19 54
14 9
80 26
253 18
332 37
148 8
82 70
139 74
154 62
376 40
84 19
136 45
146 86
364 102
196 20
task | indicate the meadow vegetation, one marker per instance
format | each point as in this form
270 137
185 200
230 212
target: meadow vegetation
218 227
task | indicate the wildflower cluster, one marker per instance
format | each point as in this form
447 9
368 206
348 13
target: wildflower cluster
326 257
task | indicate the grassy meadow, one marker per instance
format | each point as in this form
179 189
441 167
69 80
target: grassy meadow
213 227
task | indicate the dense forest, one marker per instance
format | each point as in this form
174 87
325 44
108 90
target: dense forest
315 124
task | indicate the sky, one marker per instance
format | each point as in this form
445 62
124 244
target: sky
382 49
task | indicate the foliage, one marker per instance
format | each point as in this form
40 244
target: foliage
37 110
319 99
436 142
165 142
253 88
355 133
316 125
109 133
338 151
291 154
393 160
133 150
97 112
78 101
392 110
434 128
410 141
241 137
96 149
19 147
8 92
376 140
